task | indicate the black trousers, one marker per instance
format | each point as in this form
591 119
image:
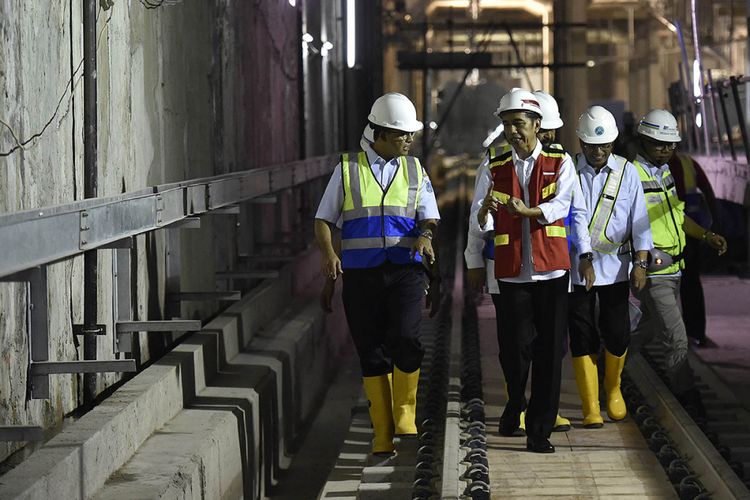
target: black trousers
383 308
613 321
691 291
534 318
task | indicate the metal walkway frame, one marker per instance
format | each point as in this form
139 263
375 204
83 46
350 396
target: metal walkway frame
33 239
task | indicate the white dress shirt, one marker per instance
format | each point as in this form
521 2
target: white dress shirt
629 220
332 202
555 209
474 252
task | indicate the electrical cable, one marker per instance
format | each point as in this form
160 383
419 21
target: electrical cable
72 84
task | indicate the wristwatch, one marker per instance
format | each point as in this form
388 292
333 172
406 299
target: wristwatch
643 264
586 255
427 233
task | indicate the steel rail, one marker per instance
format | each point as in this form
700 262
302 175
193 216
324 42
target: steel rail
714 472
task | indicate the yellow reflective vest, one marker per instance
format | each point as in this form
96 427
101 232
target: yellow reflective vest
666 214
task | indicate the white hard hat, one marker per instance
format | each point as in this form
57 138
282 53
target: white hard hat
597 126
550 111
519 100
395 111
368 134
660 125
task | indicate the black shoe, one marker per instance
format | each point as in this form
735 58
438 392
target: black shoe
539 445
509 426
699 342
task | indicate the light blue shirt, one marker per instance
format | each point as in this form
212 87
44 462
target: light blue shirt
555 209
629 220
332 203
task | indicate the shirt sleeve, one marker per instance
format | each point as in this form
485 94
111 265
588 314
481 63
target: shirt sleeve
639 222
473 254
579 219
559 206
482 183
332 202
427 207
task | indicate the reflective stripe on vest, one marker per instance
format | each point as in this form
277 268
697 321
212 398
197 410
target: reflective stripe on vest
604 208
665 213
379 224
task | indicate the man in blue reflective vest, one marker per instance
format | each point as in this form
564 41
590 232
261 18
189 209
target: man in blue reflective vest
383 202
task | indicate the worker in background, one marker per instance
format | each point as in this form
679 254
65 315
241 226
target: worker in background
529 197
694 189
618 224
658 138
383 202
480 251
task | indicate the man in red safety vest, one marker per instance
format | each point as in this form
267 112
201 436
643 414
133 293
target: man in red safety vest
530 197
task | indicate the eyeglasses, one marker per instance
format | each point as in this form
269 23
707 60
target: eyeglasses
662 146
402 136
601 147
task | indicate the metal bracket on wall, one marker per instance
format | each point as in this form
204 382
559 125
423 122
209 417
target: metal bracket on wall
37 329
122 305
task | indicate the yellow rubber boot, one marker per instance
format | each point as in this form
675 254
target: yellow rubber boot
562 424
522 422
405 402
616 409
588 388
378 391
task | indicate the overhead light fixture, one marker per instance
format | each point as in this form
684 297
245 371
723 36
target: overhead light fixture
590 63
351 34
307 38
293 3
325 48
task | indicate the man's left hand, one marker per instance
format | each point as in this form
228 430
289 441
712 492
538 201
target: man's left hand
638 278
716 241
433 295
516 206
423 246
586 270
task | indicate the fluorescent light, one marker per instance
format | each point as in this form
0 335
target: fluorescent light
697 90
698 120
293 3
351 34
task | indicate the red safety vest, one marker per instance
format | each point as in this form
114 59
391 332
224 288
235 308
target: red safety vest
549 244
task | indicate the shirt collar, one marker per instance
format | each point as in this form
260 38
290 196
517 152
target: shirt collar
534 154
373 157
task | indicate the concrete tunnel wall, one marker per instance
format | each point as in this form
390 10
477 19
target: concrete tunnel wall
186 90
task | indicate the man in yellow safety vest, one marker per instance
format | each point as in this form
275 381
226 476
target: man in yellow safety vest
658 138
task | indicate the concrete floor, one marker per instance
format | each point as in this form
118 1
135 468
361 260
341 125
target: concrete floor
322 442
728 332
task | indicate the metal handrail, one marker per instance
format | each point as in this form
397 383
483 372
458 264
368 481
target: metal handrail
45 235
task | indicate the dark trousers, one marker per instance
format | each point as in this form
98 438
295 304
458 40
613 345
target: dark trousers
613 321
534 318
383 308
691 292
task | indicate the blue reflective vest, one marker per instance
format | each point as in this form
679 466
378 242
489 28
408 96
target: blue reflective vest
379 224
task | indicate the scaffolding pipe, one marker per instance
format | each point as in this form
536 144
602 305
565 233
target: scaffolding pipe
696 47
90 188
